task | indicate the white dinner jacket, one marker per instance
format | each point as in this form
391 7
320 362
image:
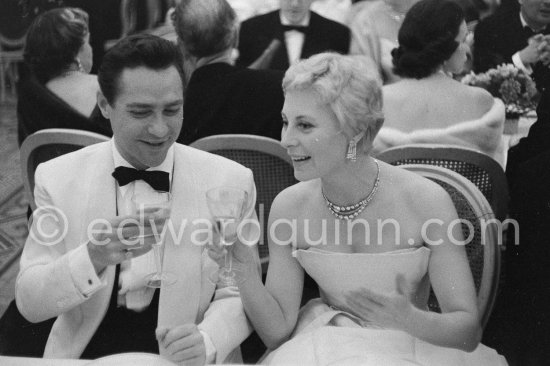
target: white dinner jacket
80 186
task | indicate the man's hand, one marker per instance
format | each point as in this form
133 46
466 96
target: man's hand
537 49
183 343
122 238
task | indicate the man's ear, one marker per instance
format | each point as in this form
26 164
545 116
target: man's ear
103 104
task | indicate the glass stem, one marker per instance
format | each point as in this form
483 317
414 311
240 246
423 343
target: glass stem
158 259
228 260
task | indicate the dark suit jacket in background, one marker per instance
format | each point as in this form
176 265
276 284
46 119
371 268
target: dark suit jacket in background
38 108
519 327
222 99
497 38
257 33
537 142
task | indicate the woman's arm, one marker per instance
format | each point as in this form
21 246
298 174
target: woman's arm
451 279
273 309
458 324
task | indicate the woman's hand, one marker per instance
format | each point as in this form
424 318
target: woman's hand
390 311
244 255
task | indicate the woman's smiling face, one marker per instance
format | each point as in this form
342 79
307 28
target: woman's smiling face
312 135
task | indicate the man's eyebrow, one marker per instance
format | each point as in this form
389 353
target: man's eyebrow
176 102
138 105
147 105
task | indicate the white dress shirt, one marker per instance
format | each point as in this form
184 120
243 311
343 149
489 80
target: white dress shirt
133 293
294 40
516 59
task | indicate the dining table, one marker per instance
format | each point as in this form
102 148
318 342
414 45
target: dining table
31 361
121 359
514 131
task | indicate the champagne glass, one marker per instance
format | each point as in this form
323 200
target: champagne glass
161 207
226 205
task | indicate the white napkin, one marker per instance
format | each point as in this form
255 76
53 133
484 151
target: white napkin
133 294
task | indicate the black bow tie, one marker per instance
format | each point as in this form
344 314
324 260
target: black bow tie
158 180
299 28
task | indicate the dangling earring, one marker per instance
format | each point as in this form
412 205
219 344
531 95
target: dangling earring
352 147
79 65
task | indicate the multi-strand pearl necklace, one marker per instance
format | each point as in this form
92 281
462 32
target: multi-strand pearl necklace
351 211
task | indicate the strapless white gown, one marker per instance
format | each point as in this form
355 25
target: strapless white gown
325 335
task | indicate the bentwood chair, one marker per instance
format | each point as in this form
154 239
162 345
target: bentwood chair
270 164
479 231
47 144
477 167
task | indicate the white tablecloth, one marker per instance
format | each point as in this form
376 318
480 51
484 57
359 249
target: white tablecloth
28 361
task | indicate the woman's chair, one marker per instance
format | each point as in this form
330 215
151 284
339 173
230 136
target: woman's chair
47 144
273 172
270 164
478 225
477 167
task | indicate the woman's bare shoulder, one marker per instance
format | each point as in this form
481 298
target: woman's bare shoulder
420 194
395 90
477 97
483 98
293 199
79 92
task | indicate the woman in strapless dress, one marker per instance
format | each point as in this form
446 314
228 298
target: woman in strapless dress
373 237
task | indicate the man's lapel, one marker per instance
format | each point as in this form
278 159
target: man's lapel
179 303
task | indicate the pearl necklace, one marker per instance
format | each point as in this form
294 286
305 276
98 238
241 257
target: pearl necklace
351 211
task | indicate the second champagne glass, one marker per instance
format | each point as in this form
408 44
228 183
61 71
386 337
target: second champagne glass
226 205
161 206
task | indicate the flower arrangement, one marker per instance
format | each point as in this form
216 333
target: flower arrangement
516 89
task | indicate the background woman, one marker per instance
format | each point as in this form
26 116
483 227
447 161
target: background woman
60 92
427 105
374 26
373 281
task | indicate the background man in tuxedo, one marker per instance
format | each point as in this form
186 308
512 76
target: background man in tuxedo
302 33
509 36
221 98
88 277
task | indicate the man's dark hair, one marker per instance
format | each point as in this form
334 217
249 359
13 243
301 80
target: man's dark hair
140 50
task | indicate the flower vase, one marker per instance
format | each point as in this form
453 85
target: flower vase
511 125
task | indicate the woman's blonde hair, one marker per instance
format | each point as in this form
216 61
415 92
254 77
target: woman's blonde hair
349 85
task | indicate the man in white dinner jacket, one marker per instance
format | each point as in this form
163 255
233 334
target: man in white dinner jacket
83 264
